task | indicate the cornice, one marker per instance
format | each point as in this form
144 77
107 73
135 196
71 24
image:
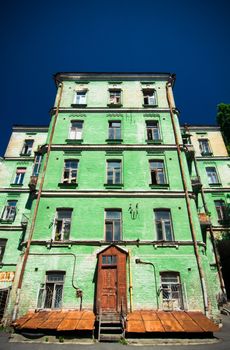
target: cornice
115 193
108 110
212 158
114 147
11 227
215 190
14 190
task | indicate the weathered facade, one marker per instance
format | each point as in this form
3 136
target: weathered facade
114 225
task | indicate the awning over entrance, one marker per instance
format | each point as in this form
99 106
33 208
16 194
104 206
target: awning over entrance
163 321
65 320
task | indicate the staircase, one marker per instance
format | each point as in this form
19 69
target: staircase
110 327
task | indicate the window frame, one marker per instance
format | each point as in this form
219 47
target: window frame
108 161
203 151
19 176
78 93
29 149
108 221
111 101
221 210
37 164
163 230
42 292
210 175
148 97
3 218
169 290
147 128
70 178
114 130
64 221
76 130
164 183
3 243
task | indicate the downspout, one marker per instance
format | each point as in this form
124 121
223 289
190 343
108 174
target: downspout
27 250
200 269
222 285
130 284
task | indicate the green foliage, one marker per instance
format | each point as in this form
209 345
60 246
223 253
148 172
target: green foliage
123 341
223 119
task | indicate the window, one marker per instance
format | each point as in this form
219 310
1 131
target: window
70 171
157 172
62 224
50 294
222 210
150 97
113 172
75 132
115 130
153 132
9 211
37 164
19 177
212 175
171 291
2 248
163 225
27 147
112 225
204 147
80 98
109 259
115 97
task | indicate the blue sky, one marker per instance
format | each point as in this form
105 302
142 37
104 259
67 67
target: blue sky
40 38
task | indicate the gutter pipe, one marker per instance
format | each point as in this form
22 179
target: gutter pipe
200 269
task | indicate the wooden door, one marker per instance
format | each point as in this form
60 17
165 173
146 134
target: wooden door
111 281
109 289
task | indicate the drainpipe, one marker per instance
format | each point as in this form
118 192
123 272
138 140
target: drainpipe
139 261
222 285
27 250
199 265
130 284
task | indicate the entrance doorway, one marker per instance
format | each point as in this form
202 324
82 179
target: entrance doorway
111 281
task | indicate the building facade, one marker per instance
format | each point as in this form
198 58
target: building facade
114 220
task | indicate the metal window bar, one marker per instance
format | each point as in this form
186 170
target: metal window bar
172 296
3 301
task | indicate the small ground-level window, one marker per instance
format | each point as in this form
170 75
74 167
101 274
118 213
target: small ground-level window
171 291
50 293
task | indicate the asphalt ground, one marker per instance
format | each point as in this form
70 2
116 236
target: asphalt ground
221 341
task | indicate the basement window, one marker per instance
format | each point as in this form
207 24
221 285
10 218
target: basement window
51 293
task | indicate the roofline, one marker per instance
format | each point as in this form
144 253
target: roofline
30 127
201 127
60 76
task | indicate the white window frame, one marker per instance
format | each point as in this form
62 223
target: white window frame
112 222
212 175
204 146
149 96
75 133
71 178
19 176
115 96
37 163
27 148
64 221
80 97
114 171
163 225
150 129
10 210
115 130
157 171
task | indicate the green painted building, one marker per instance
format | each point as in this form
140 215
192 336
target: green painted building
114 220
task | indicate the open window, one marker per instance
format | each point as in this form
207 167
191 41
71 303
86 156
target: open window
9 211
27 148
150 97
62 224
114 97
157 172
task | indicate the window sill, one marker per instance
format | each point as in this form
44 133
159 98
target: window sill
64 244
16 185
206 154
111 105
114 141
75 105
3 221
217 184
26 154
74 141
67 185
113 186
158 186
154 141
150 106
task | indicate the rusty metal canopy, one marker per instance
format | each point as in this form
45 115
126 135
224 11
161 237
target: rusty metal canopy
176 321
64 320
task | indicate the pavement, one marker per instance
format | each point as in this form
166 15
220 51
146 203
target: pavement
221 341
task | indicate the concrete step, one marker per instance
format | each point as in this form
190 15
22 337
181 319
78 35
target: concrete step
114 329
110 337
